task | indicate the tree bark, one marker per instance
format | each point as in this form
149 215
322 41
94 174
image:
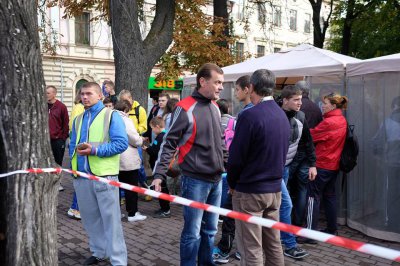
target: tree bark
135 57
221 15
27 202
346 33
319 33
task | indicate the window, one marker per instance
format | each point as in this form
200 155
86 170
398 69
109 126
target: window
293 20
240 10
82 29
260 50
261 13
239 51
277 16
276 49
307 23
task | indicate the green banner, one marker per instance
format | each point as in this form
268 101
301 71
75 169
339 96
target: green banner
169 84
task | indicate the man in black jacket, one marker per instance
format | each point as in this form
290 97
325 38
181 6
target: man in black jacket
196 131
300 166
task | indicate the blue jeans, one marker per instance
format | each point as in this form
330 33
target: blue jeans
285 211
74 204
299 172
142 173
225 189
200 227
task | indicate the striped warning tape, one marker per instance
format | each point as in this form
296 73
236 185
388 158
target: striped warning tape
370 249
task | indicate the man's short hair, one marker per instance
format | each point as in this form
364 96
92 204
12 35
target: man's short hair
263 82
289 91
223 105
52 87
109 82
157 121
125 93
304 86
123 106
243 82
90 85
205 72
163 94
155 98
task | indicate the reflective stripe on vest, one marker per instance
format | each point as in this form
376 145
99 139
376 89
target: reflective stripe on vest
98 135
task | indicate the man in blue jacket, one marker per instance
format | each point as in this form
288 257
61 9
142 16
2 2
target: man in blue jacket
257 156
98 137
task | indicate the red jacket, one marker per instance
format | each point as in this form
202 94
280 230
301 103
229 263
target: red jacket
58 121
329 137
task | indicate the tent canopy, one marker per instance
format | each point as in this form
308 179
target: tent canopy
300 61
388 63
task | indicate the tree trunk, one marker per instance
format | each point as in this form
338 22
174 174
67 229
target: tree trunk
135 57
27 202
346 33
319 33
221 15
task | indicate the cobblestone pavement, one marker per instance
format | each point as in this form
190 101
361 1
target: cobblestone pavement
156 241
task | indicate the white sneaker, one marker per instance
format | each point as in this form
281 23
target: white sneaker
71 213
137 217
60 188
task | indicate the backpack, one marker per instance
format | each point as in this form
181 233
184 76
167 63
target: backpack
348 158
229 132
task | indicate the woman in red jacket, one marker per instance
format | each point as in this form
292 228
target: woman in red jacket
328 137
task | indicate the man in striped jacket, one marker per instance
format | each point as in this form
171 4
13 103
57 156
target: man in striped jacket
196 131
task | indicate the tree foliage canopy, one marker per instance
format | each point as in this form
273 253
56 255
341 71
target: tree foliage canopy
374 28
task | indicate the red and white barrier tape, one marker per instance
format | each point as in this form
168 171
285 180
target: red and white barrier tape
370 249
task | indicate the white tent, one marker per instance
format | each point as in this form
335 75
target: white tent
300 61
373 199
389 63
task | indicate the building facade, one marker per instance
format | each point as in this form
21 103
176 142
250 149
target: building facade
84 48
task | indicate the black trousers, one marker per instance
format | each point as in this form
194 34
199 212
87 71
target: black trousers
164 204
228 229
58 148
131 198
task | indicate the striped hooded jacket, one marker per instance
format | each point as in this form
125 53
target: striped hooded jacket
196 132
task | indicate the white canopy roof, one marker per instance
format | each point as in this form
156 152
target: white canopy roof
388 63
300 61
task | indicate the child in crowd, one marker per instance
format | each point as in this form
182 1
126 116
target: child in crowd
108 103
157 125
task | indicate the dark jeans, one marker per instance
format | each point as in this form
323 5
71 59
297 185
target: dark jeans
323 187
228 228
131 198
164 204
298 190
58 148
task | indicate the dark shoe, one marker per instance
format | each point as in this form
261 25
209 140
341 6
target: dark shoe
304 240
219 257
92 260
157 212
163 215
238 256
295 253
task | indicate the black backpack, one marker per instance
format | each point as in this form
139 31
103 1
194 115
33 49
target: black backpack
348 159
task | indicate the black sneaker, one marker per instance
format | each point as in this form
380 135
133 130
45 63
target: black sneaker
92 260
163 215
295 253
304 240
157 212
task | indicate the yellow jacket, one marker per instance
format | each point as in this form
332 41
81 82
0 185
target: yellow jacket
76 110
141 125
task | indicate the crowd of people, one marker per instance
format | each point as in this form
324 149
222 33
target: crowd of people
281 159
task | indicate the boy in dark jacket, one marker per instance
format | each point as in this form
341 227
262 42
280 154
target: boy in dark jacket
157 125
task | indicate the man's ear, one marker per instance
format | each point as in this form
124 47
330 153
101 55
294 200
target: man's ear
246 90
